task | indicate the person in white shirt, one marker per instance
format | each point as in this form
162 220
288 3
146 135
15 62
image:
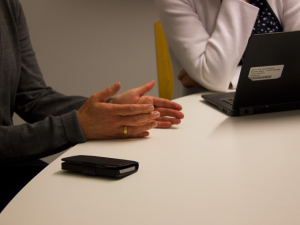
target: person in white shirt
207 38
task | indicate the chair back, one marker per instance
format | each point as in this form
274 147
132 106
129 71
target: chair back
164 66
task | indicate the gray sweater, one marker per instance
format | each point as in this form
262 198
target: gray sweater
52 122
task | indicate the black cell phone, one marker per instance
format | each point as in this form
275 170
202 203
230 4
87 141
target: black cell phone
102 166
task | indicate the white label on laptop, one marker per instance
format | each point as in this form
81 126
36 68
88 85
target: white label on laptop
265 72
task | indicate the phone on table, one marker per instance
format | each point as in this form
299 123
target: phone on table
102 166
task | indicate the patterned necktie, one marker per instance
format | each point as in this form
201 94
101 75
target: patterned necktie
266 21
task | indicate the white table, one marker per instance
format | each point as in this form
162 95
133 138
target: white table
210 170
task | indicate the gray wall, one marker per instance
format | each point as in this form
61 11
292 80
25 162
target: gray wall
84 46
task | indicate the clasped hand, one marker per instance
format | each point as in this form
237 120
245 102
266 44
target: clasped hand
186 80
140 113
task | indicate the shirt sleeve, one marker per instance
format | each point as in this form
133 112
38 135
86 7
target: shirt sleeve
52 119
211 59
290 15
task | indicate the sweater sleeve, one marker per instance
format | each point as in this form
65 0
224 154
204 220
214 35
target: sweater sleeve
210 59
52 119
39 139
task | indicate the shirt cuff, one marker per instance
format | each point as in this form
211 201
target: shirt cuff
235 79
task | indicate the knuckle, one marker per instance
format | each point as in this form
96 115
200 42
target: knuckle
165 103
131 108
103 108
163 111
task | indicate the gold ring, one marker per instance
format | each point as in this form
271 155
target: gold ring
125 129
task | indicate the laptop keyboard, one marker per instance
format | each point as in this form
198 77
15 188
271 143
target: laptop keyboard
228 100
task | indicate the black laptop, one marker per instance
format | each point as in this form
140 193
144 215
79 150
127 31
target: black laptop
269 79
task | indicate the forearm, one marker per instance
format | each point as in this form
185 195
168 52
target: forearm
45 102
210 56
224 48
39 139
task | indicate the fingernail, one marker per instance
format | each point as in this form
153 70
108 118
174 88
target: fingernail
154 124
156 114
151 108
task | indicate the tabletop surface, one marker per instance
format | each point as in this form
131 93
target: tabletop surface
211 169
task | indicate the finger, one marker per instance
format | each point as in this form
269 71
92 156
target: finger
164 124
107 93
174 121
165 103
170 112
181 74
136 120
130 109
144 88
141 135
137 130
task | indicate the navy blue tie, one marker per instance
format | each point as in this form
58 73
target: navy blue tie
266 21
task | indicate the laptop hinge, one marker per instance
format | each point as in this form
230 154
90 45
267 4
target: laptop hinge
246 111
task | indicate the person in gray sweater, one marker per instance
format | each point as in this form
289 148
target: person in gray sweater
55 121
